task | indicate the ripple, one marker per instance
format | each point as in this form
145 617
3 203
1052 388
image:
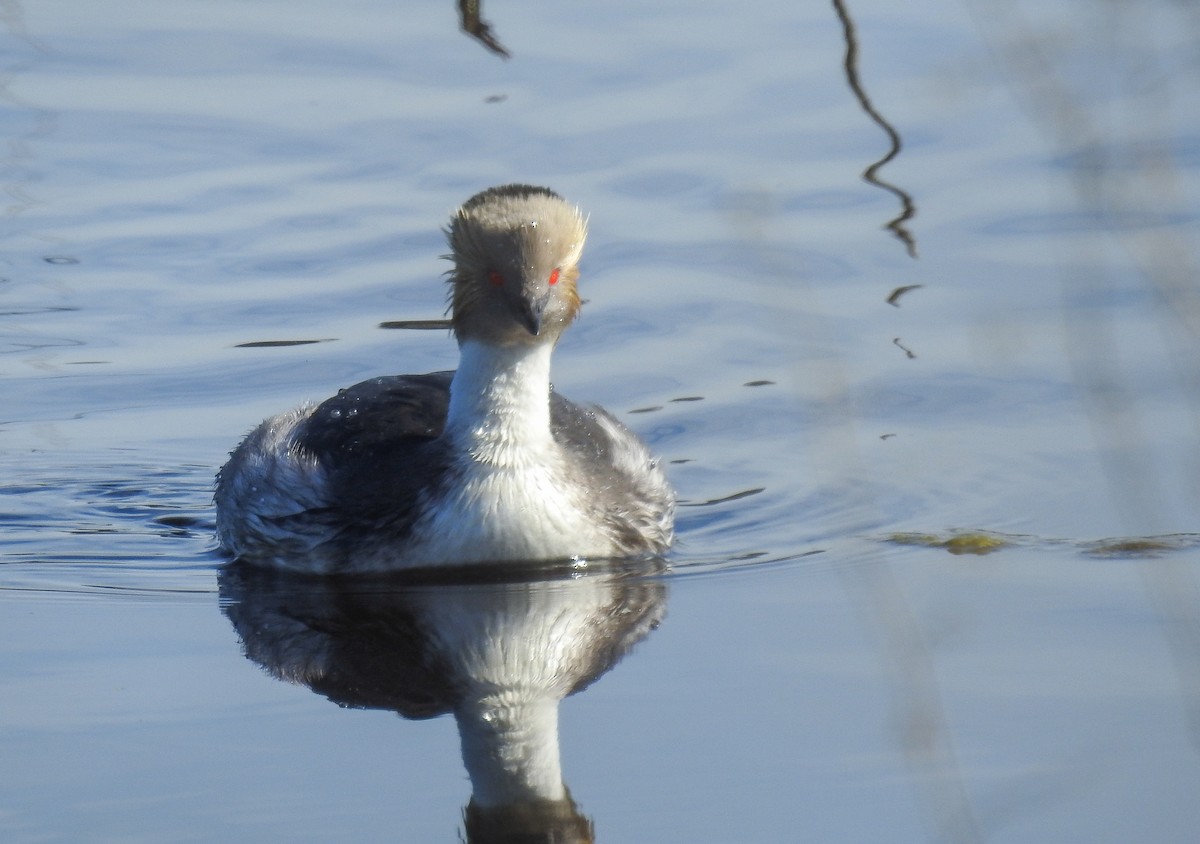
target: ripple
115 528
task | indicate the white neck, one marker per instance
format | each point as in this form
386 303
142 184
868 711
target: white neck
500 402
510 749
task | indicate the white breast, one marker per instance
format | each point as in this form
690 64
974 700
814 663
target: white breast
507 514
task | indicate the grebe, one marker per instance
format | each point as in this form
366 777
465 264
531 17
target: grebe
483 464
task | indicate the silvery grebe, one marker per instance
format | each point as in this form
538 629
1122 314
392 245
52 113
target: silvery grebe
484 464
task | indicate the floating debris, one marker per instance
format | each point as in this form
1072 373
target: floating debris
1141 547
966 542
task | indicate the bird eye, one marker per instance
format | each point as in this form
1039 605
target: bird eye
554 276
495 279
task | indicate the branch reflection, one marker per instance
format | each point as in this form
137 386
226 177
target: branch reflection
908 208
470 19
499 656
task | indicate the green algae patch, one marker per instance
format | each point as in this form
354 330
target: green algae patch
966 542
1141 547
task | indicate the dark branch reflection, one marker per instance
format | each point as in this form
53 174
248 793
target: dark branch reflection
472 23
908 209
499 656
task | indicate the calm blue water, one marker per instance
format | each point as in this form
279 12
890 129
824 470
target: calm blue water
181 180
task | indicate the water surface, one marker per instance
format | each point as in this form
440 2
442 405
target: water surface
933 428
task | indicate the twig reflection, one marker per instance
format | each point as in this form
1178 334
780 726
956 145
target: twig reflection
908 208
472 23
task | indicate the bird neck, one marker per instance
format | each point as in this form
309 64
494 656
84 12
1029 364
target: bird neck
500 401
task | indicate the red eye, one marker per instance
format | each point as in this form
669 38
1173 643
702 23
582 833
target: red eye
495 279
554 276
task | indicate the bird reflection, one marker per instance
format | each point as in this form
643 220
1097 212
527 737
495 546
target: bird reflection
499 655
